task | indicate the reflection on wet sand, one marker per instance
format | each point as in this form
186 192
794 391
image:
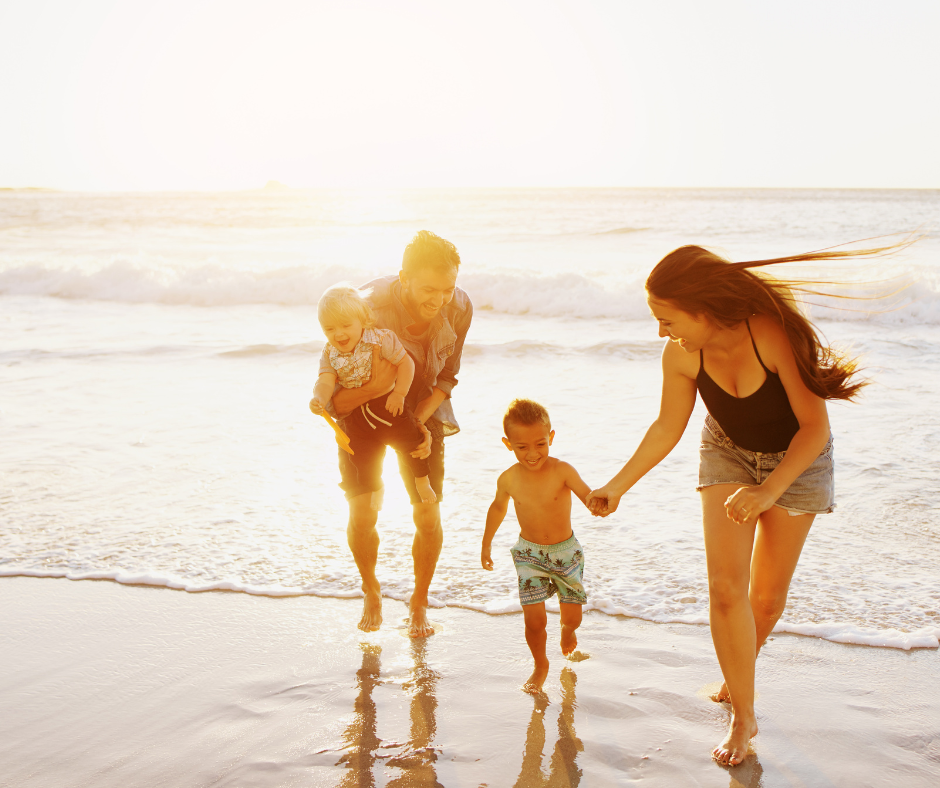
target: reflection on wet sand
748 774
416 757
563 771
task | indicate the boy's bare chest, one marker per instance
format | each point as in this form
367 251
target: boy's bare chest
541 492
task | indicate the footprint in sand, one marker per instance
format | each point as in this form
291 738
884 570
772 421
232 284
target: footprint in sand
578 656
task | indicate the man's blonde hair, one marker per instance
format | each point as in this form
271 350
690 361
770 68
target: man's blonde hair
525 411
345 301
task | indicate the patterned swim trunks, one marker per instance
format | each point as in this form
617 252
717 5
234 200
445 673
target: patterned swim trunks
546 569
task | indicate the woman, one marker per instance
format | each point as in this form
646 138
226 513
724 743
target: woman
738 337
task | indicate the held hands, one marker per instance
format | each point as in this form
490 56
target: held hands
395 403
486 559
747 504
602 502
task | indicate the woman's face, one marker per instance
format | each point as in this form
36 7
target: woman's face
689 331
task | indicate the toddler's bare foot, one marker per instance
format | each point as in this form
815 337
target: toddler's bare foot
371 612
423 485
569 640
418 624
378 498
534 683
723 695
733 748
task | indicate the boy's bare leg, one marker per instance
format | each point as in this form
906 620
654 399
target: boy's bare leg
535 623
425 550
363 540
570 621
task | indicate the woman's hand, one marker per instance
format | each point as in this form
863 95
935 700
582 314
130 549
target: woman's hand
603 501
747 504
423 450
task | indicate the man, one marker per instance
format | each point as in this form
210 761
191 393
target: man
431 316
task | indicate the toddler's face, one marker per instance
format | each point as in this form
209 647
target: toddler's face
530 442
343 333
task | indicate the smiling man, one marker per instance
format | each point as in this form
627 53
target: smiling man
431 316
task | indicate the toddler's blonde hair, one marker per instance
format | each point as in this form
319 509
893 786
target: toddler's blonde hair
345 301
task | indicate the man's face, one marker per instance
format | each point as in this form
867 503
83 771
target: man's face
425 292
529 442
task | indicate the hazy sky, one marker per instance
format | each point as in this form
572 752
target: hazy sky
194 94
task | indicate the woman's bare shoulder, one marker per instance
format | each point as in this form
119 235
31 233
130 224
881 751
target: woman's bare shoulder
678 361
771 340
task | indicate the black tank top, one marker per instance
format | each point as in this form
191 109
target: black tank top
762 422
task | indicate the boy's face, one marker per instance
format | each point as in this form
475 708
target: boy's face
425 292
529 442
343 333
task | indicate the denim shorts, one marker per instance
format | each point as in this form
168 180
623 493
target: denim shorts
723 462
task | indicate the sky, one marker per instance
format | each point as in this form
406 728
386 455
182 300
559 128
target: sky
213 94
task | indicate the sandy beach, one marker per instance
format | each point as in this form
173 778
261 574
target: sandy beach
112 685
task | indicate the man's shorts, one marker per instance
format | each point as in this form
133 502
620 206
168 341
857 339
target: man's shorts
548 569
350 476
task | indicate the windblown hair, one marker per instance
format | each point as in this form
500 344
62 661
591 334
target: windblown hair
345 301
428 250
699 281
525 411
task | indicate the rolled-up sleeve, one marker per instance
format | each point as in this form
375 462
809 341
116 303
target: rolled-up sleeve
447 377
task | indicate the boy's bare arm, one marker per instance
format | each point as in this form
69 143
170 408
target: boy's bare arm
576 484
345 401
395 403
494 518
322 393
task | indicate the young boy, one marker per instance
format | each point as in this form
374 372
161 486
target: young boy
348 323
548 557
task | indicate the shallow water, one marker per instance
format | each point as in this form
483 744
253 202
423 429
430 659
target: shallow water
159 350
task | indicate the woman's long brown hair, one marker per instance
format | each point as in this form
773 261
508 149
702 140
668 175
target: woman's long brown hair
699 281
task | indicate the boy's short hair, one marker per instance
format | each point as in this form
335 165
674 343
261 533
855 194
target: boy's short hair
428 250
345 301
525 411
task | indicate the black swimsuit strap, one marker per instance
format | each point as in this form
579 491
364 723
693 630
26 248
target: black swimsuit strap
754 345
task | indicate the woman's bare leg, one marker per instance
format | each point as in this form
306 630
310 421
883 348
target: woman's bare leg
728 548
777 547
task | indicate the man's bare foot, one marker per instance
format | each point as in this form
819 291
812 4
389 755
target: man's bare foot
733 748
418 624
569 640
423 486
371 612
723 695
533 684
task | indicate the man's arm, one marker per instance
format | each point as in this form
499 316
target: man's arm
447 377
427 407
345 401
494 518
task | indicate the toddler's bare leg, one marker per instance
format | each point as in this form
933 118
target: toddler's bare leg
535 622
423 486
570 621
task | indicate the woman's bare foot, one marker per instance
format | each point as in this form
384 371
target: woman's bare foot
371 612
569 640
418 624
723 695
423 486
533 684
733 748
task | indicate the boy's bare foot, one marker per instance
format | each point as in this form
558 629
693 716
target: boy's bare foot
423 486
378 498
533 684
723 695
733 748
371 612
418 624
569 640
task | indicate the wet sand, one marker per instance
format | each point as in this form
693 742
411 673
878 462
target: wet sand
108 685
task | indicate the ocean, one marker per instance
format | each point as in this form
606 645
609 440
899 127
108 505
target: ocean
159 350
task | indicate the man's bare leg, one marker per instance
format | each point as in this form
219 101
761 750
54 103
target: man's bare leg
363 540
777 546
425 550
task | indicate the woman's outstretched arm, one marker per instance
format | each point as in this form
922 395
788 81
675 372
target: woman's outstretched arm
678 400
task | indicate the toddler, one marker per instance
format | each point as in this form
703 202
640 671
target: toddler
349 325
548 557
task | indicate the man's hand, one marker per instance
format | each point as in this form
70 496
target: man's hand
486 559
423 450
395 403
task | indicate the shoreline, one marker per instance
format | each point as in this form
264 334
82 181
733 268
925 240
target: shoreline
107 684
